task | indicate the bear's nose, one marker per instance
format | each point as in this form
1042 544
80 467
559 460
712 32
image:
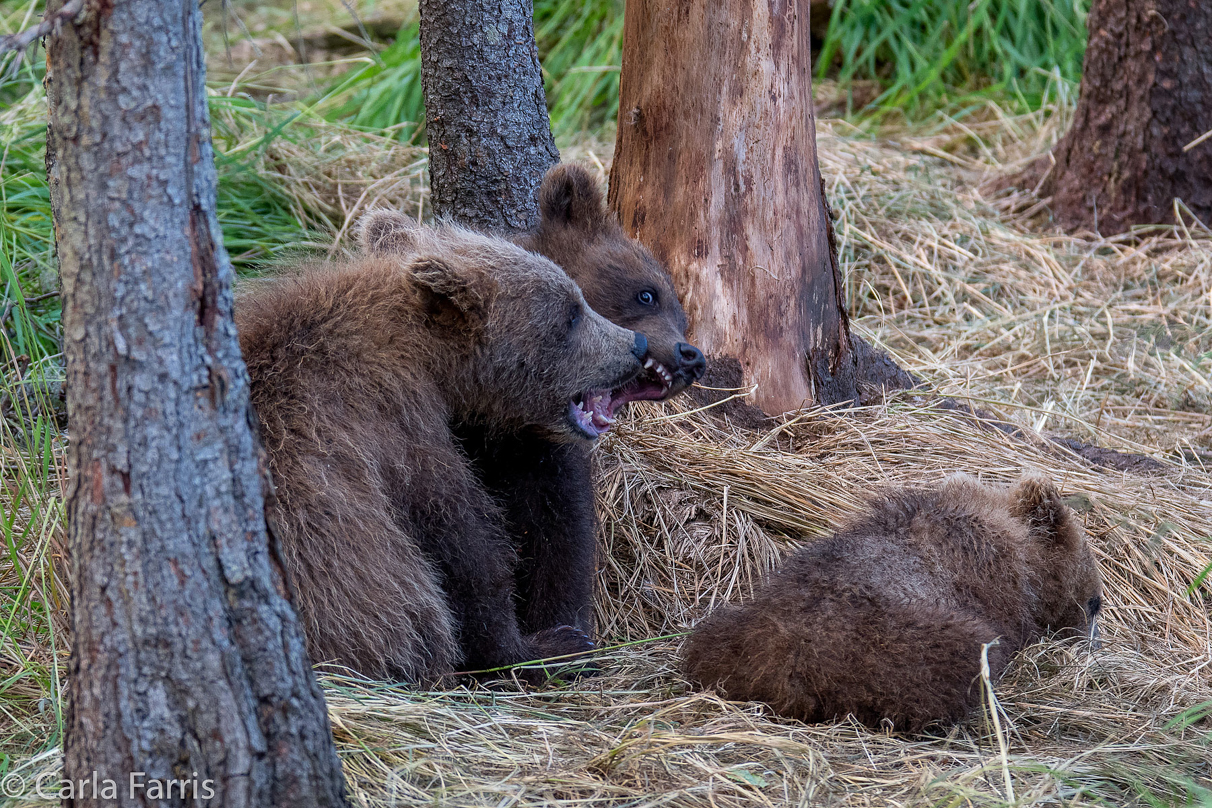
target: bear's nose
691 360
640 349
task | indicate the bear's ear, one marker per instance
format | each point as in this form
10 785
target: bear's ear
452 298
570 197
1038 504
384 231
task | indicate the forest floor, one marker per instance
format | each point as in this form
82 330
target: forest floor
1107 341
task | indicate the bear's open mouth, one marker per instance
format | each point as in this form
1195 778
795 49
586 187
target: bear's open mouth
593 412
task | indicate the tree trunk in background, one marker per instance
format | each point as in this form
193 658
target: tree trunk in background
1146 93
715 171
485 112
188 663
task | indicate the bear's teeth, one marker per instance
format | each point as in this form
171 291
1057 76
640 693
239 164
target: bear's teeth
659 371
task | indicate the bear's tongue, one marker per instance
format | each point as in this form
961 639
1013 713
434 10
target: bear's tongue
595 411
652 384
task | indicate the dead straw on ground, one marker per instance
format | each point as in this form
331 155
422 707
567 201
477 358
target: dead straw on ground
1105 340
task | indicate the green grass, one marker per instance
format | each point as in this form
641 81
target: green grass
929 54
386 94
32 598
27 268
580 48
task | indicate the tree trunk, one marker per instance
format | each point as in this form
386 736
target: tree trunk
485 113
1146 93
715 171
188 664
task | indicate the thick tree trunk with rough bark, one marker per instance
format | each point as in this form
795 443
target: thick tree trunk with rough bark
1146 94
715 171
485 113
188 664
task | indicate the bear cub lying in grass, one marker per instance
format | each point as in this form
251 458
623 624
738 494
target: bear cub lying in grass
396 551
885 619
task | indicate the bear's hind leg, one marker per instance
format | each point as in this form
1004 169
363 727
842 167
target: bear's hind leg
910 664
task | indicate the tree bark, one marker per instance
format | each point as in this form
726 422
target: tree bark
188 664
485 112
1146 93
715 171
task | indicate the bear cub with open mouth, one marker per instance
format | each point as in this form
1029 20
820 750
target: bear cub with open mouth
885 619
397 553
546 487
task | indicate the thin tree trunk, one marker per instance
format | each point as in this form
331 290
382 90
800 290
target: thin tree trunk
485 113
1146 93
188 663
715 171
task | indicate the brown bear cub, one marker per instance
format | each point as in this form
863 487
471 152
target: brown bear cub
545 486
394 547
885 619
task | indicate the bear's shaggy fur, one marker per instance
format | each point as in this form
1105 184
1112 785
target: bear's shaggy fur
393 546
885 619
545 487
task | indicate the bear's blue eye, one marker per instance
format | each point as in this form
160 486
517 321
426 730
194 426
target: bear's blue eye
574 317
646 298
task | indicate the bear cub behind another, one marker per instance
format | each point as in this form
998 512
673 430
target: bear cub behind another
885 619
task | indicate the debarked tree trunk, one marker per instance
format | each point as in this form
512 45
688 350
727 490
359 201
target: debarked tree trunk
715 170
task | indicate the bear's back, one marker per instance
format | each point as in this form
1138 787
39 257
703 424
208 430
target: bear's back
335 350
318 316
953 548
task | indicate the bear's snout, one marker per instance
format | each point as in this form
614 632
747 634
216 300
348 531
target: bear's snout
691 361
640 349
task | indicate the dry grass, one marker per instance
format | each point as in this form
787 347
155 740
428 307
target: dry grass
1056 333
326 174
1108 340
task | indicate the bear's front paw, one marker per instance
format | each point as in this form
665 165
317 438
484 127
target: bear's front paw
564 648
560 641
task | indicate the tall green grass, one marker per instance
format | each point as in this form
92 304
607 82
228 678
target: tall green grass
926 55
32 597
931 53
27 283
580 48
385 95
